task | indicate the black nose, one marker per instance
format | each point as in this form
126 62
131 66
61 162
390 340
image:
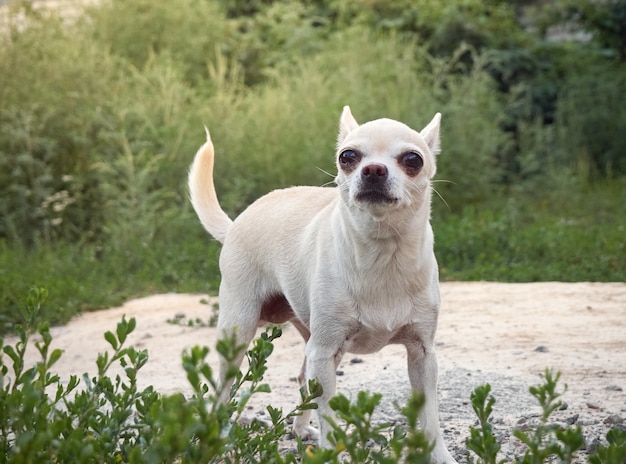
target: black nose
374 173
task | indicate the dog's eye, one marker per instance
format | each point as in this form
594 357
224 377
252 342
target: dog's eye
348 158
412 161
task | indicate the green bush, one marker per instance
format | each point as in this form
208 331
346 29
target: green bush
595 143
105 419
190 31
52 100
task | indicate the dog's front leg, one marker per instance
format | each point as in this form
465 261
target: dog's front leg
321 365
423 372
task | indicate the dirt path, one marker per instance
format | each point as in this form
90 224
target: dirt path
504 334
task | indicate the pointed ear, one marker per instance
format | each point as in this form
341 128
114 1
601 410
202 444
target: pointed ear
347 124
431 134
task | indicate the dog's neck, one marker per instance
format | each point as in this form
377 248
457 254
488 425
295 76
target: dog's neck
406 230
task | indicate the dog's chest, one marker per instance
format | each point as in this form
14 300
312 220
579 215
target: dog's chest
368 340
384 306
386 299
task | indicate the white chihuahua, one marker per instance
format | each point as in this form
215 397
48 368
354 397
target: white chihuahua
352 267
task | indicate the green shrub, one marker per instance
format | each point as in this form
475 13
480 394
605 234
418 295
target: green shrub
189 31
594 144
107 419
53 93
73 113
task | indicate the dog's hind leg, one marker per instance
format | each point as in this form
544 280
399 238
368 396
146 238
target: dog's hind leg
238 319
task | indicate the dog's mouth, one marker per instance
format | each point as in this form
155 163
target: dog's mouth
375 197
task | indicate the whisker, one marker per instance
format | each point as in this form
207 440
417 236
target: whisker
325 172
442 199
330 182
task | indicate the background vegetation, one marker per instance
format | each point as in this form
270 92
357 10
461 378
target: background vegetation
100 116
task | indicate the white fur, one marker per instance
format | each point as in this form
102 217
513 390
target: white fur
356 274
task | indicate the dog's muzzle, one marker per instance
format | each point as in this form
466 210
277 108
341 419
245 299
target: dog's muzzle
373 185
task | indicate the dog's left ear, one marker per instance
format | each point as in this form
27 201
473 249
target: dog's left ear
347 124
431 134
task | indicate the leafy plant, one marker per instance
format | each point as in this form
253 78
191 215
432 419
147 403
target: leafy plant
108 418
546 439
482 440
111 420
614 451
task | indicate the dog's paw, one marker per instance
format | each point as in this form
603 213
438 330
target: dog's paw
306 432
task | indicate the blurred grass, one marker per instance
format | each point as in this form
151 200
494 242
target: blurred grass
533 238
83 278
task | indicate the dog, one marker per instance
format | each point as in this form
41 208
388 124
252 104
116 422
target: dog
351 267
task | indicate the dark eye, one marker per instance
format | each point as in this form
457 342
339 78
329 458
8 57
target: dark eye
348 158
412 160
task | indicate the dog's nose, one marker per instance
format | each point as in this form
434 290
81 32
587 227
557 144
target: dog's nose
374 173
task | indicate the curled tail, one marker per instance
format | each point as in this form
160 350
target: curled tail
202 192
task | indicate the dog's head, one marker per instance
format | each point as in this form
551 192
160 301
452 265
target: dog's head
384 164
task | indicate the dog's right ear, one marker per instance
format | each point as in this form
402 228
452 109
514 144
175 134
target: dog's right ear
431 134
347 124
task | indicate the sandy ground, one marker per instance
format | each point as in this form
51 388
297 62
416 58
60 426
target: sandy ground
504 334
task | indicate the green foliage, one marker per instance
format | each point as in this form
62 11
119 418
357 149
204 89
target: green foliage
614 452
355 438
180 258
604 22
109 419
482 440
525 237
549 440
191 31
544 441
597 142
52 100
100 116
47 419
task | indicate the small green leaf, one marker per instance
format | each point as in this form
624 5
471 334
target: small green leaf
122 330
54 357
132 323
109 337
10 352
263 388
102 361
276 414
